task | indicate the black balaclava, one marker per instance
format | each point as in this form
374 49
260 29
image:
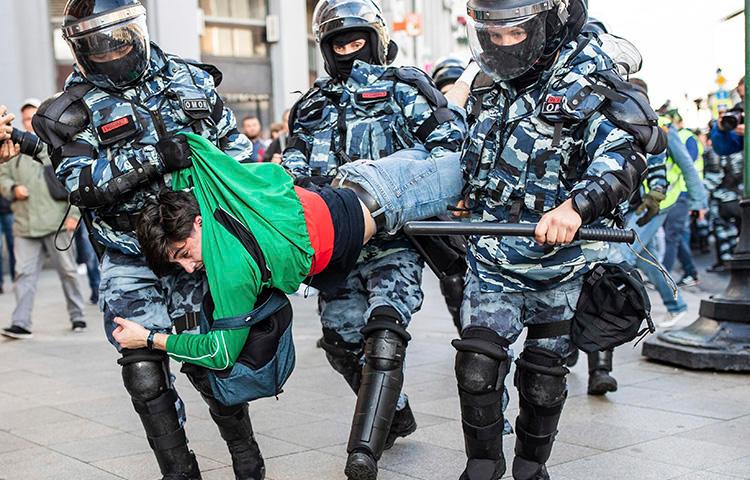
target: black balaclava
345 63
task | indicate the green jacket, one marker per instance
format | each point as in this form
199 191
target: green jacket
267 245
39 215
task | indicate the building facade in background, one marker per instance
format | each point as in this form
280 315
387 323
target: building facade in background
265 48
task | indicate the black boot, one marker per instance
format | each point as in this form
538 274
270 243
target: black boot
382 379
481 367
542 390
572 359
600 380
452 288
147 379
237 431
403 425
234 426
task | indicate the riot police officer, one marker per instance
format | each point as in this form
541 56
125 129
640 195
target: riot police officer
447 71
368 110
112 136
543 147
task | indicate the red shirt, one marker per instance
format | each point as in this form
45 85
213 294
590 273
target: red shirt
319 228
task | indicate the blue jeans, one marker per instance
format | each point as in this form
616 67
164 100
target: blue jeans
6 229
622 252
675 225
409 185
685 256
87 256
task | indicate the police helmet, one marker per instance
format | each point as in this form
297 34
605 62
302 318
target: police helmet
447 71
109 40
334 17
509 37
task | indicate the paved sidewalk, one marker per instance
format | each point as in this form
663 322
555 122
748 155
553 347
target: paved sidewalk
65 415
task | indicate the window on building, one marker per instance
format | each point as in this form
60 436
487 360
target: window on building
234 28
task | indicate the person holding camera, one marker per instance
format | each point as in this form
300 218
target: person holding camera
38 214
8 149
725 180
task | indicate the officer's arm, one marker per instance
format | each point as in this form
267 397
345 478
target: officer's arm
656 174
298 151
616 168
682 158
439 129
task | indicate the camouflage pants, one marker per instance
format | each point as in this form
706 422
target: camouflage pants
508 313
394 280
129 289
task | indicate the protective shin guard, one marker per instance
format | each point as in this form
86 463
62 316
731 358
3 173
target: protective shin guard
540 379
600 380
382 379
481 367
234 426
452 288
147 380
344 357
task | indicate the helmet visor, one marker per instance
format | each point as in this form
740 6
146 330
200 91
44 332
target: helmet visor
115 56
507 49
335 15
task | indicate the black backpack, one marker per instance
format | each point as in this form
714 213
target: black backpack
611 309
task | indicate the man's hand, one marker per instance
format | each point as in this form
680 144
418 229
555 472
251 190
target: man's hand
5 120
129 334
651 205
740 130
461 211
277 159
700 214
558 226
8 150
21 193
71 224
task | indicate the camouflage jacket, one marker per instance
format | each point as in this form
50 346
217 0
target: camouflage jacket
124 127
528 152
723 177
374 114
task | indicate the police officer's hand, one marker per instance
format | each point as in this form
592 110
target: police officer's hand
558 226
129 334
650 204
8 150
175 153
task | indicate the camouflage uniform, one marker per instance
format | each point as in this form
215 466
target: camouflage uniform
724 182
370 117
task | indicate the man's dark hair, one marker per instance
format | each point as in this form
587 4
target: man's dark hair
166 220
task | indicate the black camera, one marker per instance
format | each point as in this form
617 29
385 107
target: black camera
30 143
732 119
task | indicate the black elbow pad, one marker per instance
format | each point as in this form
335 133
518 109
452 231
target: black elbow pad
89 195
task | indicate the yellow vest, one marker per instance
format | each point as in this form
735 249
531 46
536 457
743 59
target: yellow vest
676 180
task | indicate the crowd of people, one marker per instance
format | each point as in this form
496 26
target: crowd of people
547 125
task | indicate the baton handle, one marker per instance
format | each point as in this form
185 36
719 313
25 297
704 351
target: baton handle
601 234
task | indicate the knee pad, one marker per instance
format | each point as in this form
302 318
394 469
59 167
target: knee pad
385 339
540 378
145 374
452 288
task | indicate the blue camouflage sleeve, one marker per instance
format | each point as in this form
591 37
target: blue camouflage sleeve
656 176
604 145
439 135
295 159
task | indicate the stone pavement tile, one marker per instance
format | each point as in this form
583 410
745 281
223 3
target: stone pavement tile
10 443
10 403
739 468
612 466
316 465
96 407
271 419
125 420
337 408
651 420
446 435
269 448
103 448
708 476
312 435
684 382
64 395
694 454
142 466
64 432
40 463
730 433
33 417
601 436
225 473
446 407
424 461
23 382
635 373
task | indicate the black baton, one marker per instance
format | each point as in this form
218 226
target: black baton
513 230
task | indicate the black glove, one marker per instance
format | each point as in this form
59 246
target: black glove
175 153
